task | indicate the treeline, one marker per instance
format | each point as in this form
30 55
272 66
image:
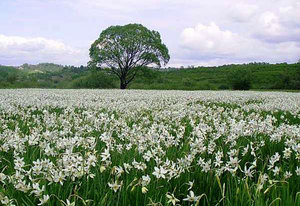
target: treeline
260 76
40 76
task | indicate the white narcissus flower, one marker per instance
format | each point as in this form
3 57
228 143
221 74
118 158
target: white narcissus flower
287 174
105 155
172 199
44 200
190 184
287 153
159 172
127 167
5 200
145 180
206 166
2 177
298 171
276 170
144 190
58 177
248 171
191 197
68 203
115 186
102 168
234 161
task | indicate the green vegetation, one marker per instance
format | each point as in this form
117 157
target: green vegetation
255 76
260 76
44 75
240 79
127 49
154 148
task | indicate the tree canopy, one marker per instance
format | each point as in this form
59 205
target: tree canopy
125 49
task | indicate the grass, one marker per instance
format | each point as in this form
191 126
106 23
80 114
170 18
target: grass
113 127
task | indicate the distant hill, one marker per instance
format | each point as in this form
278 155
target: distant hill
263 76
44 75
260 76
42 67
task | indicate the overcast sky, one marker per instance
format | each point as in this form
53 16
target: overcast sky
197 32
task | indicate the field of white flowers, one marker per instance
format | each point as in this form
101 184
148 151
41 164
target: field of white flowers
112 147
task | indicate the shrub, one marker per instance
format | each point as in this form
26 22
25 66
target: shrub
240 79
12 78
95 80
223 87
288 80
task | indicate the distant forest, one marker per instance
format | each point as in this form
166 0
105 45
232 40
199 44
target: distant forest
255 76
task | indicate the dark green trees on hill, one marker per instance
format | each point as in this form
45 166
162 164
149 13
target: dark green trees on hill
257 75
240 79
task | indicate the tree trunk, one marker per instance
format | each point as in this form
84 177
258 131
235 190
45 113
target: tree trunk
123 84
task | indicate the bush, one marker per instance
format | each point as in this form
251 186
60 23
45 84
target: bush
223 87
288 80
95 80
12 78
240 79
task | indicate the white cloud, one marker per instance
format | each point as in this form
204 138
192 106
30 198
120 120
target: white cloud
130 5
17 50
272 21
243 12
208 38
269 27
209 42
244 30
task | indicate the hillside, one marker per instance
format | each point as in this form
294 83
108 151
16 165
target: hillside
263 76
47 75
41 68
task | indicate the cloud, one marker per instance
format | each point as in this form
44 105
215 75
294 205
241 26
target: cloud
210 42
130 5
15 50
242 12
273 27
242 30
272 21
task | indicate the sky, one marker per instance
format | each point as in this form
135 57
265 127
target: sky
196 32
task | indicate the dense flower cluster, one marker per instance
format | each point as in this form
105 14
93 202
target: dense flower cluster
132 139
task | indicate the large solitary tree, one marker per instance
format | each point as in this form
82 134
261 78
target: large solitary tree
125 49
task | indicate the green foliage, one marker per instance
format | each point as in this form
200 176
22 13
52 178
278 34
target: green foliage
239 79
264 77
95 79
126 49
223 87
288 80
42 67
12 78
